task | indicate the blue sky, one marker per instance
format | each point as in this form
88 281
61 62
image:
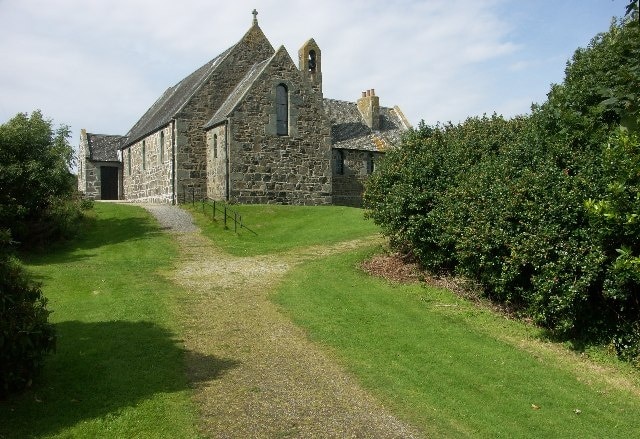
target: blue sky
100 64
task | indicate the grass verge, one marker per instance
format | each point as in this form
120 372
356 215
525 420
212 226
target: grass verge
118 370
451 368
281 228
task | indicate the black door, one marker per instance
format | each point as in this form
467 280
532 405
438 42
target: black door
108 183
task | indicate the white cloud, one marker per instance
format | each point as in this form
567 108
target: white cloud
100 64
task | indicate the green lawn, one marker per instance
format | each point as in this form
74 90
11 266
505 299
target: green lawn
280 228
447 366
118 370
453 369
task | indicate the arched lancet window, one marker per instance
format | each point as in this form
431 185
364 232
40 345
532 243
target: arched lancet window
312 61
282 110
161 143
339 162
215 146
144 155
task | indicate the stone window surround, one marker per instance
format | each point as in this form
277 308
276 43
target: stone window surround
282 110
271 127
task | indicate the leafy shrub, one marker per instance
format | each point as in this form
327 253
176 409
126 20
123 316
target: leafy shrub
25 335
543 211
35 181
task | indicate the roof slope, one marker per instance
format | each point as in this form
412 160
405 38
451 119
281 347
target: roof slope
103 147
238 93
169 105
349 130
172 101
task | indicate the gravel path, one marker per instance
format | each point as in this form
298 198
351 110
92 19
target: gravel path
172 218
269 379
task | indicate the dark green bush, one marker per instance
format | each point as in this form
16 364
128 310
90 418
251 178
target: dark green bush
543 211
36 185
25 335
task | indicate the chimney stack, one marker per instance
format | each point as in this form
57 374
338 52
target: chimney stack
369 106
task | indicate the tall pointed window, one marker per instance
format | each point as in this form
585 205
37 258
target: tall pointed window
339 162
144 155
162 146
215 146
282 110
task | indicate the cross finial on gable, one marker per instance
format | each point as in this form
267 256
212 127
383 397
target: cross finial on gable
255 16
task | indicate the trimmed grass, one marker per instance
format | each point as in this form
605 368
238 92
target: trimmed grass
119 368
282 228
452 369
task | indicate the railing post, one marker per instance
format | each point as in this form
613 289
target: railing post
225 216
235 222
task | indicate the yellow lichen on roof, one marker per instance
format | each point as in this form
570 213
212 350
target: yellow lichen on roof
381 143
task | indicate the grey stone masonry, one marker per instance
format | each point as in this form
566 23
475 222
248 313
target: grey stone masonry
351 169
265 167
147 168
217 163
191 160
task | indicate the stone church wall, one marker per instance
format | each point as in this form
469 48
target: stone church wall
216 163
146 173
191 166
88 176
348 182
268 168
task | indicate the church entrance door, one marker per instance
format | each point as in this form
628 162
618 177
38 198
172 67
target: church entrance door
108 183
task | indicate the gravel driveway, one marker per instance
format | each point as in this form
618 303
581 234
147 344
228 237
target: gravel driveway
255 374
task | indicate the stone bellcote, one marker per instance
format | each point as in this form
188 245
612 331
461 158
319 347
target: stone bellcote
369 106
310 64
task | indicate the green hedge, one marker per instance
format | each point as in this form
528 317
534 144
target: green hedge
541 210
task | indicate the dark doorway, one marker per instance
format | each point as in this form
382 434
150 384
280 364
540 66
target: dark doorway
108 183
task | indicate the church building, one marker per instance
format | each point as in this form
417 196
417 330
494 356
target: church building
249 127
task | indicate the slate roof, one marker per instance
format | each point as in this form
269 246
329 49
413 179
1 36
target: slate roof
103 147
172 101
349 131
237 94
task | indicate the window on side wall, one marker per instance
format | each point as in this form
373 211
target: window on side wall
161 146
215 146
144 155
339 162
370 163
282 110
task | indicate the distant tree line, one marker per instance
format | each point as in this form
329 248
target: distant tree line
543 211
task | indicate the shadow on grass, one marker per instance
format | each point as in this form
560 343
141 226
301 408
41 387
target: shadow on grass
101 368
96 232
